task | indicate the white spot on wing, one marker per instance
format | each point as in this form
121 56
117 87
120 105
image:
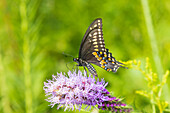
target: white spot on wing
96 46
94 40
108 55
95 25
94 36
95 33
95 43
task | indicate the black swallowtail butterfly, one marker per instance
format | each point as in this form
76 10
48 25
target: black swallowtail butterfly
92 50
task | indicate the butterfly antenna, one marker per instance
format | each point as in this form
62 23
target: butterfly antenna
67 55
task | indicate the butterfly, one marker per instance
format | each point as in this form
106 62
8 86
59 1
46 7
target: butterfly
92 50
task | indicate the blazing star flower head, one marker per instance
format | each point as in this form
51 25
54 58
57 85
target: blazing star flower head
74 90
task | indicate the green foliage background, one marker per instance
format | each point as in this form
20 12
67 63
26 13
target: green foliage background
35 33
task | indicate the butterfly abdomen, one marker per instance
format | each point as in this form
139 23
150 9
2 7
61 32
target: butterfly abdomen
91 69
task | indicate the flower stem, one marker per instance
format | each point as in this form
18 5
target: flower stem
153 43
3 86
152 102
151 33
5 105
26 56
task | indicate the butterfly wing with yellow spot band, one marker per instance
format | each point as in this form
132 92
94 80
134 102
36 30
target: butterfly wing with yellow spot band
106 61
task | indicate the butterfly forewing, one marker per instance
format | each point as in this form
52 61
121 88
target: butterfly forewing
92 40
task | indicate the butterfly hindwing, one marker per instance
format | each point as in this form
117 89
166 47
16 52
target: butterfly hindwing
106 61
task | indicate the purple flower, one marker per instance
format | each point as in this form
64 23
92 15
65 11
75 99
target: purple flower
73 90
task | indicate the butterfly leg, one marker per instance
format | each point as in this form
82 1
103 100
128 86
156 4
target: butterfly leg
77 68
85 69
73 67
68 67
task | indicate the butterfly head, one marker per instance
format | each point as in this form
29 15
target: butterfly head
76 60
79 61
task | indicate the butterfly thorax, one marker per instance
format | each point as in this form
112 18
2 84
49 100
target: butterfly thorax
80 61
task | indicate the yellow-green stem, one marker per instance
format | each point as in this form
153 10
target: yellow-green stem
153 43
160 106
4 93
151 33
26 56
4 88
152 102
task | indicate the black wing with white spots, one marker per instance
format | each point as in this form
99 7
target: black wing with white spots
92 40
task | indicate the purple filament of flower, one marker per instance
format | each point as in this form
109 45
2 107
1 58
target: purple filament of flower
111 105
75 89
108 105
122 104
112 98
103 108
117 100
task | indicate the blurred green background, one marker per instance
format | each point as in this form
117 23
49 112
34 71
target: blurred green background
35 33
